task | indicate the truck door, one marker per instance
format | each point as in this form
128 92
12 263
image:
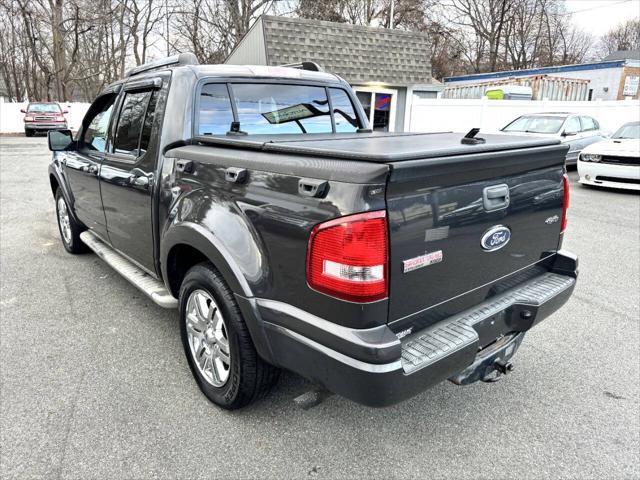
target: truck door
127 175
82 166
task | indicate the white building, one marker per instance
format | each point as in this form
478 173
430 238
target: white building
616 77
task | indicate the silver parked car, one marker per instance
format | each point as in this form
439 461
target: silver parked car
579 131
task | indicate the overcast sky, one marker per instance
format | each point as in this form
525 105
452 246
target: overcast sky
599 16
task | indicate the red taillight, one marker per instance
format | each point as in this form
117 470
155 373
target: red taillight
565 203
348 257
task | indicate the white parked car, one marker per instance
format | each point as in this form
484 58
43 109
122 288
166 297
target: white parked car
615 162
579 131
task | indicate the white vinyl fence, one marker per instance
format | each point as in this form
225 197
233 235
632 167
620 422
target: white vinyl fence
11 118
424 115
441 115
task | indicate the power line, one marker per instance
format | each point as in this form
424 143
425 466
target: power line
596 8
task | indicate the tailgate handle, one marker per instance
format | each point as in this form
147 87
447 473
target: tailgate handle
495 197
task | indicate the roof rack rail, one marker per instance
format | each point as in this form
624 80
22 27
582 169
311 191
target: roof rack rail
175 60
311 66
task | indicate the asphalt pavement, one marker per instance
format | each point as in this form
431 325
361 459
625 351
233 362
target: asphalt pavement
94 382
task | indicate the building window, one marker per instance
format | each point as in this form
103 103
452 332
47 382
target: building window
379 106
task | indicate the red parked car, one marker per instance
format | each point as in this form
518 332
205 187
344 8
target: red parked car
43 116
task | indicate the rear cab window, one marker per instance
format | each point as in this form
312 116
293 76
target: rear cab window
215 114
343 111
266 108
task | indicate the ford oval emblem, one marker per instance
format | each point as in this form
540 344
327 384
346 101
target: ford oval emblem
495 238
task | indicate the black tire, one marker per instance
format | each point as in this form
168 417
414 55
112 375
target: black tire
250 378
73 244
28 132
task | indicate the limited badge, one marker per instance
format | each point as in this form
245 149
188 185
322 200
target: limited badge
421 261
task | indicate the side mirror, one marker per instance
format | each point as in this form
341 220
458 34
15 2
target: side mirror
60 140
64 112
22 110
568 134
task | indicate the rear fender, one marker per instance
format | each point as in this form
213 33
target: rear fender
198 237
212 222
210 229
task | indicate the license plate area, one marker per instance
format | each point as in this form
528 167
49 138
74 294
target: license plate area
492 328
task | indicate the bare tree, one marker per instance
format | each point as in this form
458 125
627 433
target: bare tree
626 36
142 20
407 14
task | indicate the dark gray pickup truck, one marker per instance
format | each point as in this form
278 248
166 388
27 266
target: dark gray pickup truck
289 235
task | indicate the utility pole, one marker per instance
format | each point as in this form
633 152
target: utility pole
166 11
391 14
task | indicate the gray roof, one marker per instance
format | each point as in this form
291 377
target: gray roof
356 53
623 55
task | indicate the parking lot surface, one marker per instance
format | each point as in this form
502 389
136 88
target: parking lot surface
94 382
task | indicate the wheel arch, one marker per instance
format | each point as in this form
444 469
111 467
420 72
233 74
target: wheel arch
53 181
188 244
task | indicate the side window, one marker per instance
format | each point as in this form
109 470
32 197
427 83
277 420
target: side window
269 108
573 125
343 112
96 132
147 126
588 123
214 112
130 123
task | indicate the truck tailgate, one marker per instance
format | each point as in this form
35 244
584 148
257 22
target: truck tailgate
441 209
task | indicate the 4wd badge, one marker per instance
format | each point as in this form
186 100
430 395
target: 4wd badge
421 261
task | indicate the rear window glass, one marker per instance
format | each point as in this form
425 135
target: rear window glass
44 108
343 112
147 125
271 109
130 122
215 115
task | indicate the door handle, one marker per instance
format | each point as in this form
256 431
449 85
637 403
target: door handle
495 197
138 178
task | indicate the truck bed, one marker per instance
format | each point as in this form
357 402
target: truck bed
378 147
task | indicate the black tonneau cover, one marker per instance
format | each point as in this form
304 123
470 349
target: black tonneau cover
379 147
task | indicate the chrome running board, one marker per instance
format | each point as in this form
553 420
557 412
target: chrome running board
152 288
